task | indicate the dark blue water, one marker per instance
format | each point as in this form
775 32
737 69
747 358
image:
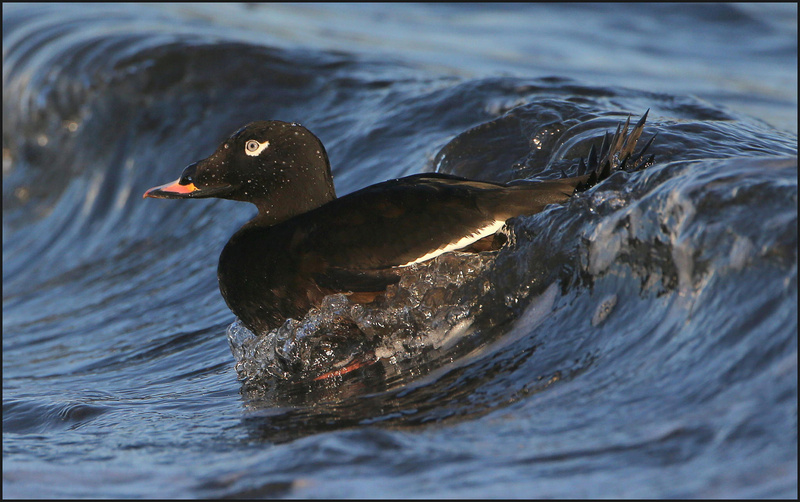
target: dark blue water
638 341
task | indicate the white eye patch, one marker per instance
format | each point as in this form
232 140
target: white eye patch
254 148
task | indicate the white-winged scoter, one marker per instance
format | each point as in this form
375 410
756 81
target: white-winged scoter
306 243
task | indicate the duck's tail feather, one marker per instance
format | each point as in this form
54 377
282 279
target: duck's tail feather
616 154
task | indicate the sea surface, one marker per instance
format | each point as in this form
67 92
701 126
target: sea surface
639 340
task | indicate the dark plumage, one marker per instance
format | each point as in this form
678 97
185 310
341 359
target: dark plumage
306 243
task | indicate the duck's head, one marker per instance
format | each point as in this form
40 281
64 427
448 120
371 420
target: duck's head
280 167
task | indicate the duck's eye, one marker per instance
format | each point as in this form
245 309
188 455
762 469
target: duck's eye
253 147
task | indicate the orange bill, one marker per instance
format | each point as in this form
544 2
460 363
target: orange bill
170 190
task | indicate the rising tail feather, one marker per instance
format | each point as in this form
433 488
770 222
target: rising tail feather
616 154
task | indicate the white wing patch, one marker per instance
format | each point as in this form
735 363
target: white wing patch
461 243
256 152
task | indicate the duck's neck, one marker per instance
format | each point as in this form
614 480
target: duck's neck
286 204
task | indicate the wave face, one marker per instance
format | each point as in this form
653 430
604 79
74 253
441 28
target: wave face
638 341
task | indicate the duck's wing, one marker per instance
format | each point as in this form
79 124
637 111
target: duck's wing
410 220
